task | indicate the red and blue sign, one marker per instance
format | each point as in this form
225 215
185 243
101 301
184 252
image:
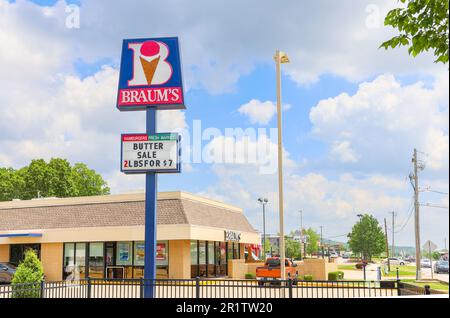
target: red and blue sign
150 75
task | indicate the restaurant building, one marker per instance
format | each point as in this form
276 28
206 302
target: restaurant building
103 236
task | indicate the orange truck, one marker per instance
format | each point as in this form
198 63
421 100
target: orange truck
270 272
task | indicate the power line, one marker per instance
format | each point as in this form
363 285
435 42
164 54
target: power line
407 220
434 191
431 205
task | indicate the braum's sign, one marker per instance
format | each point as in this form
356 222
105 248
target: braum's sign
232 236
155 153
150 75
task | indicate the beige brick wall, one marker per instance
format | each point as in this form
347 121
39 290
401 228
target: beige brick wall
179 259
52 260
318 268
4 253
237 268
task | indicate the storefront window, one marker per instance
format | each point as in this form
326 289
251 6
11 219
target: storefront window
80 261
123 253
96 260
124 259
194 253
236 251
69 261
230 250
139 253
202 258
211 258
17 252
194 258
162 259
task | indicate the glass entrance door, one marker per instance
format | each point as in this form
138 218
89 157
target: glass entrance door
221 259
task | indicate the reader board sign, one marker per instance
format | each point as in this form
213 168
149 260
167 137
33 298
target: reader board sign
142 153
150 75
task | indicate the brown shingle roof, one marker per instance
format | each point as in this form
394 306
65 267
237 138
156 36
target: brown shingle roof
131 213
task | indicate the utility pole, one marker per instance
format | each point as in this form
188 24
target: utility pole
416 214
393 232
387 245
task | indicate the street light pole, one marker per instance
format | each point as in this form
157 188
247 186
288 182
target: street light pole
264 201
280 58
321 241
301 233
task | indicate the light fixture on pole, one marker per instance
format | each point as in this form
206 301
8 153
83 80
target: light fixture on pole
264 201
280 58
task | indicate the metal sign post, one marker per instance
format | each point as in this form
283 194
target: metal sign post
150 79
151 190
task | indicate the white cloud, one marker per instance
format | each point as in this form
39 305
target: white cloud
259 112
343 151
379 126
218 45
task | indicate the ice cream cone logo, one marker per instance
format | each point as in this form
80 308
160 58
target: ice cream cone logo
149 64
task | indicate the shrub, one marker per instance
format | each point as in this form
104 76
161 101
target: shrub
249 276
339 275
333 276
360 265
307 278
27 279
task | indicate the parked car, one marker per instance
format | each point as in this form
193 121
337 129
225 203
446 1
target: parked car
395 261
334 255
270 272
410 259
441 267
425 263
7 271
346 255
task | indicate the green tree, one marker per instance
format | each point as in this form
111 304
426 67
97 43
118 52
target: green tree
367 237
57 178
28 277
293 248
313 238
423 26
87 181
12 184
268 247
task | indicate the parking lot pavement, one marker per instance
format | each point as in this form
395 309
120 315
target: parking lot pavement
426 273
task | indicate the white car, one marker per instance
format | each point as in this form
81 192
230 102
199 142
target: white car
425 263
334 255
395 261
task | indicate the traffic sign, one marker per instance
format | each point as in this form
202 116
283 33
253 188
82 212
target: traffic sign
429 246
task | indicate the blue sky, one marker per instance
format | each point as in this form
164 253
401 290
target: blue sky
355 112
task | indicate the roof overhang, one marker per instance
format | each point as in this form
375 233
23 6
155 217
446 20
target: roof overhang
12 235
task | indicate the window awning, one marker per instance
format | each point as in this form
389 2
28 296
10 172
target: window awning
21 235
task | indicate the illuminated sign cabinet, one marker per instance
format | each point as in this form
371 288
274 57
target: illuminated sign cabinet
150 153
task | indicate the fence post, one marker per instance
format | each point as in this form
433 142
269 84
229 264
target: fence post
427 290
88 287
141 284
290 287
197 287
397 273
42 289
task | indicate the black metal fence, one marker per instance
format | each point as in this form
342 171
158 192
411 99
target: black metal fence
406 289
201 288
